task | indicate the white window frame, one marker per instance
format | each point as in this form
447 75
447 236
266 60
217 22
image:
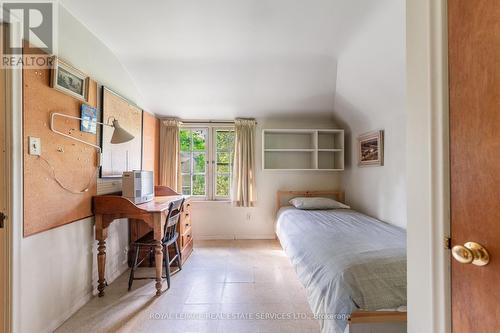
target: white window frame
211 150
207 159
215 197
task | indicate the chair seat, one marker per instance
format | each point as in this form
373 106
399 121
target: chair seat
148 240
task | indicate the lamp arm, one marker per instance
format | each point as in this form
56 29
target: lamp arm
52 127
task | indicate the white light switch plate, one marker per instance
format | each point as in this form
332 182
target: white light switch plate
35 146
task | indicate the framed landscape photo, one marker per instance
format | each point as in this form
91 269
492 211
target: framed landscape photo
69 80
371 149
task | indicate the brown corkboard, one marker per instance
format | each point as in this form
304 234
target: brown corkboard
124 156
151 144
46 204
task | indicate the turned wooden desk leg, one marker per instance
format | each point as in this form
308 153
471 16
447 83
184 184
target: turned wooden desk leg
158 235
101 235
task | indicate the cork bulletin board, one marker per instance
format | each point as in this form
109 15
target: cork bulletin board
46 204
127 156
151 144
150 162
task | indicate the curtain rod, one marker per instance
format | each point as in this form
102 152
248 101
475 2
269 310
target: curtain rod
211 121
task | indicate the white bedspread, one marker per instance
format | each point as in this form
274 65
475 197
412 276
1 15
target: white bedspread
345 260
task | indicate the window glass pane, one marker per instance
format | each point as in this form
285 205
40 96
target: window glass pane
195 154
186 184
199 139
199 185
222 189
199 162
225 140
186 162
185 138
224 162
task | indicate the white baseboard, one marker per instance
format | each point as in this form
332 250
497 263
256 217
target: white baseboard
234 237
266 236
214 237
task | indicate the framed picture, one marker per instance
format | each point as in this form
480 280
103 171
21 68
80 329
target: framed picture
89 119
371 149
69 80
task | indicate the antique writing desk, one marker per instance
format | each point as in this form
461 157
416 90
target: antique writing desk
108 208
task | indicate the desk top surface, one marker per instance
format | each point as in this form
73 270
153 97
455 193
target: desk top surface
159 204
114 204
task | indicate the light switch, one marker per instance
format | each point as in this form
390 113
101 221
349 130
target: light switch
35 146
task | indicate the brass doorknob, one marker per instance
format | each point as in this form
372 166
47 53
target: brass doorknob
471 253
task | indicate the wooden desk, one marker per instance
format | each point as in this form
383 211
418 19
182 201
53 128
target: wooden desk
108 208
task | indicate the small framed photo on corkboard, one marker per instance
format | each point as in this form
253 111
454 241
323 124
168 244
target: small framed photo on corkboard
89 119
69 80
371 149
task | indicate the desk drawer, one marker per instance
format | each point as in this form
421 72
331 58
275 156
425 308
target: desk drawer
186 213
185 224
186 251
186 238
187 206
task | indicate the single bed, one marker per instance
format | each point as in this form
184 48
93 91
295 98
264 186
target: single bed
351 265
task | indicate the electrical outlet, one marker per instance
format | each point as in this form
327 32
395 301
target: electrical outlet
249 216
35 146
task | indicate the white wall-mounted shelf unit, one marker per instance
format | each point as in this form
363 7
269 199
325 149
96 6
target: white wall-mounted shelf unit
303 149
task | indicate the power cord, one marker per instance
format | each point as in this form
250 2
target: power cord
54 176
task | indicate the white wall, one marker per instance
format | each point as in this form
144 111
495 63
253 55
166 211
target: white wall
58 267
370 95
217 220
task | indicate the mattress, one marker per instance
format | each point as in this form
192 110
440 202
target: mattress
346 261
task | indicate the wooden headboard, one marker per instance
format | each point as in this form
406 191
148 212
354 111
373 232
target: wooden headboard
282 197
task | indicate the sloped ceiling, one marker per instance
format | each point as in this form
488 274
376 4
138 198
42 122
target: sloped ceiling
219 59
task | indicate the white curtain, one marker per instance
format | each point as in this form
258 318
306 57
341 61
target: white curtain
243 187
170 161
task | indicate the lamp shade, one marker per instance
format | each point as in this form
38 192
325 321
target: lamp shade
119 134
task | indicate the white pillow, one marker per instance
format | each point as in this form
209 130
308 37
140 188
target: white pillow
316 203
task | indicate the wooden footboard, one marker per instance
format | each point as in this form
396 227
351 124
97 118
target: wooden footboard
373 317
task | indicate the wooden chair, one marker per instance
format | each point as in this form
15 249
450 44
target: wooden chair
170 238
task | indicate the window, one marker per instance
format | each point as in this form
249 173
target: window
223 148
194 153
206 161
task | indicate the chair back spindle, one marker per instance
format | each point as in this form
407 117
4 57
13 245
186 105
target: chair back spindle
173 216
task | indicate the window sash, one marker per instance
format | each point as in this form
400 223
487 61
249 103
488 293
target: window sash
216 172
192 152
211 170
